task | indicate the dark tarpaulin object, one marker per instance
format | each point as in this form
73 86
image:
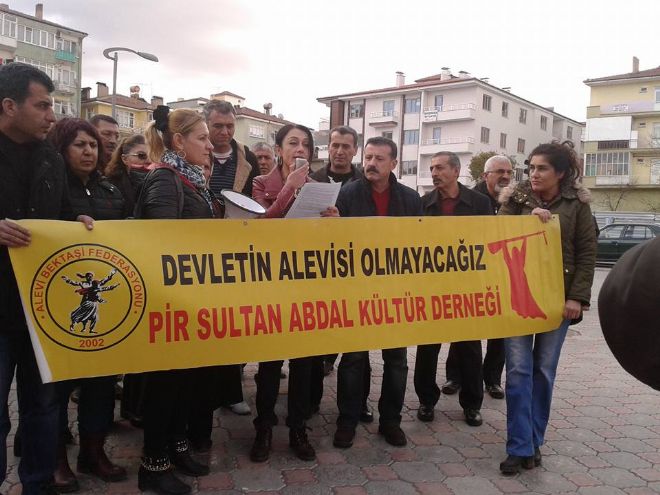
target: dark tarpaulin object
629 311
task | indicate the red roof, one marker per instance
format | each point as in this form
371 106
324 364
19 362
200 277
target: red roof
248 112
629 75
122 101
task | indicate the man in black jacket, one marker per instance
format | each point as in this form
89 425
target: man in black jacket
378 193
32 185
342 148
451 198
497 175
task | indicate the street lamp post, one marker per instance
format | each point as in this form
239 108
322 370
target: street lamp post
114 58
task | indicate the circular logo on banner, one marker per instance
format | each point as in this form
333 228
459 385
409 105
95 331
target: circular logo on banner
87 297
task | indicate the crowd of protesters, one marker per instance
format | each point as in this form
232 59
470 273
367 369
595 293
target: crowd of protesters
78 170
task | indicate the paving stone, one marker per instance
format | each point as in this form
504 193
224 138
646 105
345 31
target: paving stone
471 486
601 490
630 445
417 472
571 448
625 460
258 479
340 474
379 473
390 488
582 479
617 477
648 474
542 481
432 488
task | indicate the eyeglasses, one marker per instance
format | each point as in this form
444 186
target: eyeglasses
140 156
501 171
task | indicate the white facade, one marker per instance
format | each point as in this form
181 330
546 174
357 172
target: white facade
463 115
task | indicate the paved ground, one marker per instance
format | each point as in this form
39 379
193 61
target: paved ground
603 438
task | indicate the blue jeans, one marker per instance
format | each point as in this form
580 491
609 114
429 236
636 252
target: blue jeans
37 409
531 366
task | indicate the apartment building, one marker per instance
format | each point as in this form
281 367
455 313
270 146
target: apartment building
622 140
445 112
133 112
53 48
252 126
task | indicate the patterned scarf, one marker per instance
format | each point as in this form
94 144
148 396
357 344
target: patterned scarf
191 172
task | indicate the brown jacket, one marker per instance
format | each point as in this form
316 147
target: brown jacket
578 237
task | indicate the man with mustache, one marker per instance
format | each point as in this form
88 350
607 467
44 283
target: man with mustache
378 193
497 175
450 198
108 129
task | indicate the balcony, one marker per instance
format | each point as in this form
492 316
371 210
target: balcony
66 56
455 144
64 88
8 43
612 180
445 113
384 119
628 107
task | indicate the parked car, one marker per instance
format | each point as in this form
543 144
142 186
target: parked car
616 238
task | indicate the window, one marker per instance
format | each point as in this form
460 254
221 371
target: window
356 110
411 137
126 119
388 108
412 105
62 107
613 232
502 140
522 118
409 167
569 132
485 135
47 68
67 46
437 135
607 163
643 90
439 100
521 145
256 131
486 102
67 77
8 25
387 134
639 232
657 95
642 125
544 123
613 145
505 109
25 34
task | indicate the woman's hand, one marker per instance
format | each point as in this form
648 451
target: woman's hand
572 309
298 177
87 221
330 211
543 214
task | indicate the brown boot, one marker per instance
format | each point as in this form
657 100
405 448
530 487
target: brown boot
93 460
64 481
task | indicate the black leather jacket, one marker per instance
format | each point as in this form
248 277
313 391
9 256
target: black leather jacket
99 199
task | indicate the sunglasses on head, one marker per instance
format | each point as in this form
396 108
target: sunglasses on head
140 156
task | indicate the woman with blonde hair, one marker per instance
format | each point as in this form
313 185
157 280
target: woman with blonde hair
176 188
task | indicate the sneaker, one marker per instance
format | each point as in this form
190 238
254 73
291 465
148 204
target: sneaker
241 408
260 450
344 437
300 445
512 464
393 434
495 391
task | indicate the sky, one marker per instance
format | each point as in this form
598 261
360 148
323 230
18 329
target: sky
291 52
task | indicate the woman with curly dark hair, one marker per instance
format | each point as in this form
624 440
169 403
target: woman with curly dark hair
553 188
90 194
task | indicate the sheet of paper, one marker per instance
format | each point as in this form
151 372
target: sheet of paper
313 198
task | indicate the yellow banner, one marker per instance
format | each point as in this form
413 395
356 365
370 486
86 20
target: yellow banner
140 295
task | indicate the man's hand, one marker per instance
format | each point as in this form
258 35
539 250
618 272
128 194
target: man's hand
543 214
330 211
87 221
13 235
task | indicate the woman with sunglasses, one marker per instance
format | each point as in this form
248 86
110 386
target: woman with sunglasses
553 188
128 166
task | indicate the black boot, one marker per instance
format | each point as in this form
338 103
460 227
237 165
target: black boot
184 463
93 460
299 443
513 463
64 481
156 474
260 450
